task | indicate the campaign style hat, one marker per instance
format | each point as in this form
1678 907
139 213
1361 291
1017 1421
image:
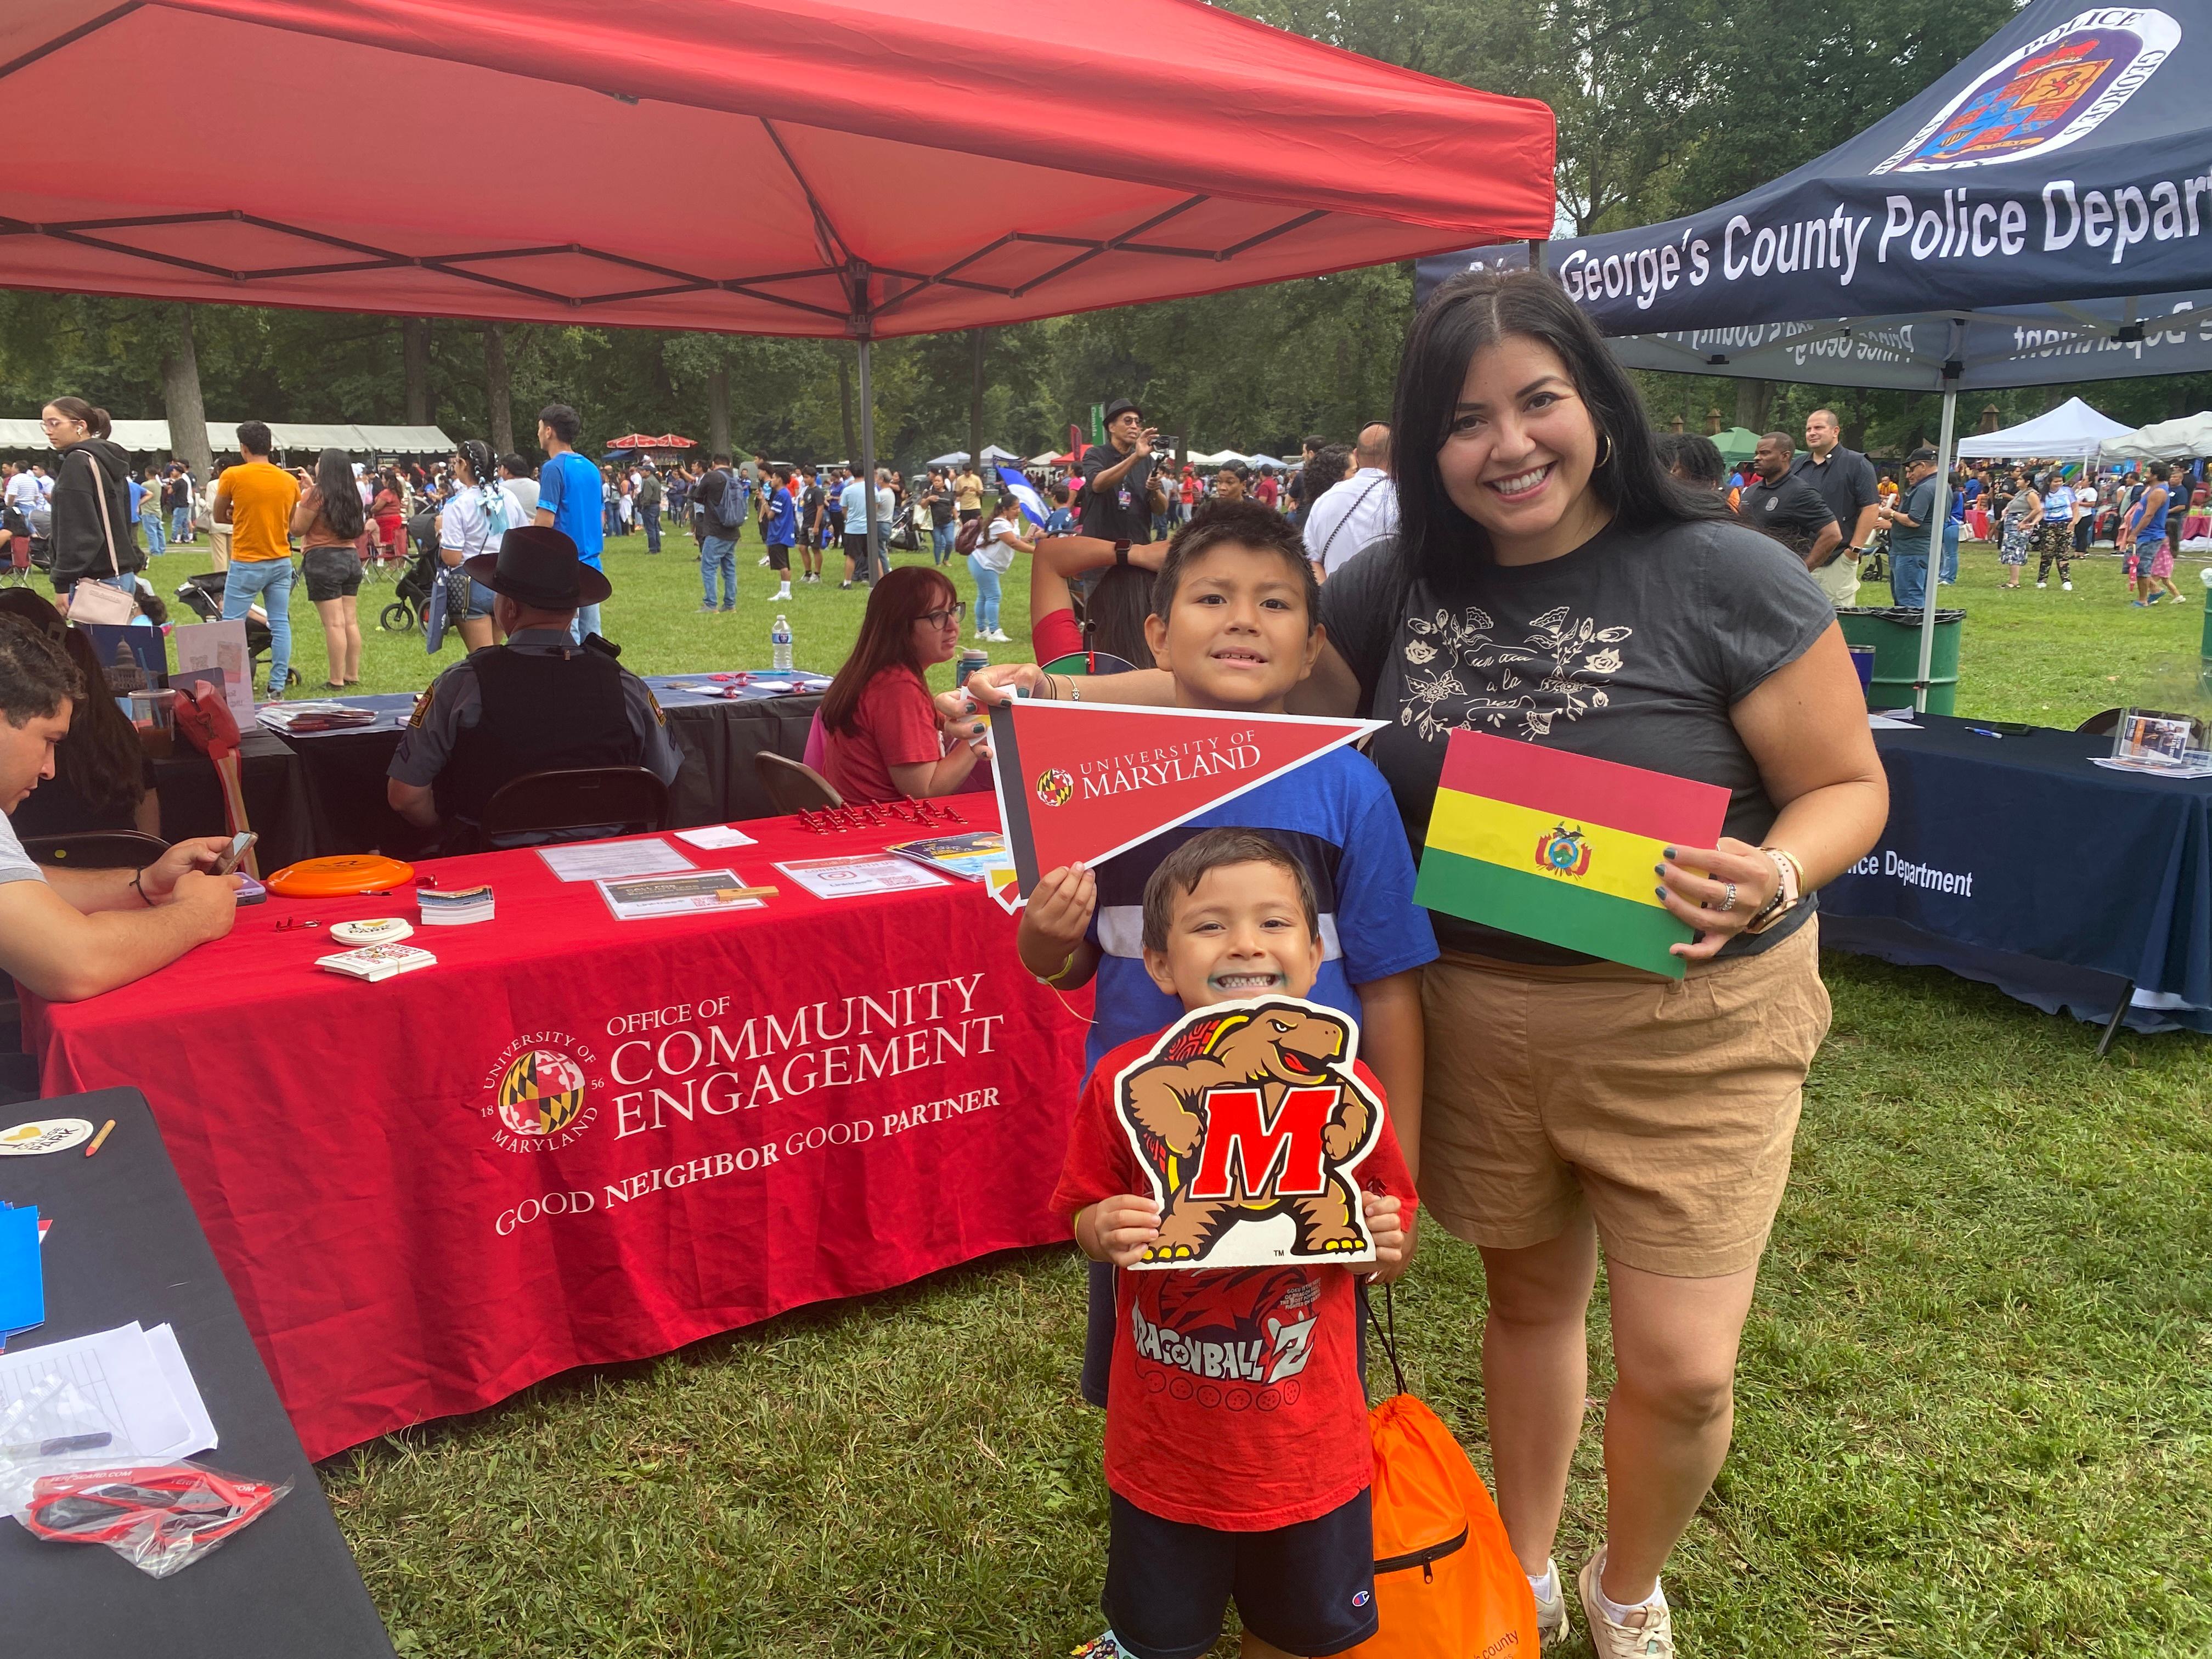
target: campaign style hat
536 565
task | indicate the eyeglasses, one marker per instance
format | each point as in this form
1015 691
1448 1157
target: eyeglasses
938 618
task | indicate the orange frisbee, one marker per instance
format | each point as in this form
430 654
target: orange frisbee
334 877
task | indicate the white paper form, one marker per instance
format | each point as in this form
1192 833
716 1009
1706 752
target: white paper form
138 1379
611 861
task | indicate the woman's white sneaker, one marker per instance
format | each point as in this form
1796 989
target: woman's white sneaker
1648 1633
1550 1610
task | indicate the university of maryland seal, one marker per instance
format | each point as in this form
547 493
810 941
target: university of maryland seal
538 1093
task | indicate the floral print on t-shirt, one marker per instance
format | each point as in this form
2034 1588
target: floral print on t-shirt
1457 675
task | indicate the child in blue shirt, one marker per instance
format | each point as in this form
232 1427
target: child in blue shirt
1235 621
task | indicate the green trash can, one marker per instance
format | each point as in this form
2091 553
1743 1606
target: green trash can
1893 631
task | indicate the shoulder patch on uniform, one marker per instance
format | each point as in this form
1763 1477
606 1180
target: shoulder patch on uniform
659 715
422 710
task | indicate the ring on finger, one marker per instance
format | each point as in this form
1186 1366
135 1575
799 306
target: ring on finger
1727 904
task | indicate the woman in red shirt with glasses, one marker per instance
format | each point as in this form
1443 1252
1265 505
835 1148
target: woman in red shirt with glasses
882 738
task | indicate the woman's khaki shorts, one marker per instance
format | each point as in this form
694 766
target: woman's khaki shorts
1665 1108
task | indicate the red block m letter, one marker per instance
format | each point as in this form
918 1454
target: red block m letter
1240 1142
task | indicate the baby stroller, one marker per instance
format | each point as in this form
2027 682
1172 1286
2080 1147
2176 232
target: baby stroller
202 597
410 605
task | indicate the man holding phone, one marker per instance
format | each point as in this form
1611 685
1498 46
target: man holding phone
1112 507
70 934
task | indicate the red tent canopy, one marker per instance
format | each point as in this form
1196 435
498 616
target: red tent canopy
834 167
639 441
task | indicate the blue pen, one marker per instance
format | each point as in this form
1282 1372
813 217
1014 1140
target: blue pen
1985 732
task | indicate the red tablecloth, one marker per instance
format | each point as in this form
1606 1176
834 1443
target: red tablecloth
814 1100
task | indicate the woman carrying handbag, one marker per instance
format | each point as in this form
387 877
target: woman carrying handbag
95 557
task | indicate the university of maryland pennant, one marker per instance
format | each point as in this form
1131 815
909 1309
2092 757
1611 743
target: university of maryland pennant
1084 781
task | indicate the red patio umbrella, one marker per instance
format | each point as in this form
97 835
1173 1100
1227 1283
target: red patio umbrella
1155 148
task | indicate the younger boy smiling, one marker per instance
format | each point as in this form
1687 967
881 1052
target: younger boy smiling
1253 1487
1233 620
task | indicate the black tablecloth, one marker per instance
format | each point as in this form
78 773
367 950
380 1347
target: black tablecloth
343 772
2005 855
124 1246
276 804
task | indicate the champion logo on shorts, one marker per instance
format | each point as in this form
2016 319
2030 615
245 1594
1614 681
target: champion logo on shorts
1362 1599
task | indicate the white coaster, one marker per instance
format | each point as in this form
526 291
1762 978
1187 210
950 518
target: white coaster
376 930
53 1134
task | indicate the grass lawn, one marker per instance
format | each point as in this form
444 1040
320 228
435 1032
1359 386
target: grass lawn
655 616
1975 1411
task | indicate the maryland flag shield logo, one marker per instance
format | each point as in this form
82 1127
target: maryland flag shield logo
1248 1119
540 1092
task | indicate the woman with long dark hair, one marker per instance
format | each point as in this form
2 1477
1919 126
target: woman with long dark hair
102 779
882 738
329 521
91 537
1551 583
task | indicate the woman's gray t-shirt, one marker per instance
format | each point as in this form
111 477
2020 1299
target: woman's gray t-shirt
1633 647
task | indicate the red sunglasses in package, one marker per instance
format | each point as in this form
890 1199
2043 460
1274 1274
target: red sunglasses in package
160 1518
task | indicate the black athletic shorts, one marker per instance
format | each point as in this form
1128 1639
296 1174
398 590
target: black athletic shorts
332 572
779 556
1309 1588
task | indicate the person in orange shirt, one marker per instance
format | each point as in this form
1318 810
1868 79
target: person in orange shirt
255 499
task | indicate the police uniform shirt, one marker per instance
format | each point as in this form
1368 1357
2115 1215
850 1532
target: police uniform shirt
1845 480
1788 509
454 700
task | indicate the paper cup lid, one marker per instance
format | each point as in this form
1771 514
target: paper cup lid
50 1134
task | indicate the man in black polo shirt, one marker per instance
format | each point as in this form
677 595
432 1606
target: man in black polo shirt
1784 506
1112 506
1845 480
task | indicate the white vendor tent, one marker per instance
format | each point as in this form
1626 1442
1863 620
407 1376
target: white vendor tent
2163 441
2072 429
1219 457
152 437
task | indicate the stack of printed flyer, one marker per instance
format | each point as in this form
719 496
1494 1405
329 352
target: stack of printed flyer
378 962
457 908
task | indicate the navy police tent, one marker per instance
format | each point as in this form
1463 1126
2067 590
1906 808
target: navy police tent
2041 215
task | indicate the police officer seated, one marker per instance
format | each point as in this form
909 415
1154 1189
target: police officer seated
539 702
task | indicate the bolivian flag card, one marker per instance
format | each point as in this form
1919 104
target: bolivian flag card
1563 847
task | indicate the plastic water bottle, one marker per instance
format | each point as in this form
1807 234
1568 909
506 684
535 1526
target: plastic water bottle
779 639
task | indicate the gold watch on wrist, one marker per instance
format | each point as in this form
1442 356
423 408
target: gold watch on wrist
1789 891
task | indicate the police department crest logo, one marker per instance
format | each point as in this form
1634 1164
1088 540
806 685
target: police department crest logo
539 1092
2061 86
1563 852
1055 787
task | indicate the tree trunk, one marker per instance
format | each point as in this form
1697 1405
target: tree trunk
845 406
415 356
499 389
982 337
180 395
1754 401
718 410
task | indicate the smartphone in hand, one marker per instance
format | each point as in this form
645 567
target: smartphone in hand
239 843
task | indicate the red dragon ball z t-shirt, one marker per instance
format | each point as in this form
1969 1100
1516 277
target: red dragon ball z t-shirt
1235 1397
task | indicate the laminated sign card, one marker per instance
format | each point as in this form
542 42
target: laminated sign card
1084 781
1563 847
1250 1119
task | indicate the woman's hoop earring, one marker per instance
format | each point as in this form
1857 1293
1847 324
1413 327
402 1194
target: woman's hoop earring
1606 460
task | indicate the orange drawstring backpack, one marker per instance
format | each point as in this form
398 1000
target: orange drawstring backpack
1447 1584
